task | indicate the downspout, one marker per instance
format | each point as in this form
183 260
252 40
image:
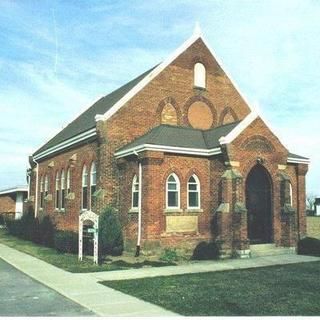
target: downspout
37 185
139 207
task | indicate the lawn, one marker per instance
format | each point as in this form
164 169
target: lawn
287 290
69 262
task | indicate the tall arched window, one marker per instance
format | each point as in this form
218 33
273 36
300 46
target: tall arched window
135 193
41 192
290 193
57 190
68 181
173 192
46 185
199 75
193 192
84 197
62 190
93 182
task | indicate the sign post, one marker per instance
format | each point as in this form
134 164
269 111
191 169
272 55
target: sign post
94 218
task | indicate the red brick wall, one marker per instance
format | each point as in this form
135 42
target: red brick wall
7 204
85 155
174 85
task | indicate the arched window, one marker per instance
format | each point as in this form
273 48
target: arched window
173 192
62 190
93 182
193 192
135 193
57 190
290 193
84 204
199 75
41 192
68 181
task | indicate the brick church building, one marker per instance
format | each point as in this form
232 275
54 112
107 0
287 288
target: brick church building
182 156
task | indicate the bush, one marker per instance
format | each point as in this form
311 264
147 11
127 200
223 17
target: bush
169 255
66 241
27 222
206 251
47 231
110 233
14 227
1 220
309 246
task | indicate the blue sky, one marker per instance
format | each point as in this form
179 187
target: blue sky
58 57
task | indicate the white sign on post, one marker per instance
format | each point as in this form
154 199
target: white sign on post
94 218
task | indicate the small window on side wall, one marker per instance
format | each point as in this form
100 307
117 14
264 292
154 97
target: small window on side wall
290 193
84 204
193 192
173 192
199 75
135 193
57 190
62 190
93 182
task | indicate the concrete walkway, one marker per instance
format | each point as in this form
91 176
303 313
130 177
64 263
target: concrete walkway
202 266
81 288
84 288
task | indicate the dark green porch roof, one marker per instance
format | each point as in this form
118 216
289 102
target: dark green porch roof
86 120
173 136
292 155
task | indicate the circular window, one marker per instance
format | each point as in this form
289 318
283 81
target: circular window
200 115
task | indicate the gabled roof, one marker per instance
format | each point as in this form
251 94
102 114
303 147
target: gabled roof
86 120
83 127
179 140
294 158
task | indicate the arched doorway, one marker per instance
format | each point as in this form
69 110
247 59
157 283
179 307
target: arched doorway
258 203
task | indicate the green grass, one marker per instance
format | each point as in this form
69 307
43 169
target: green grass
69 262
290 290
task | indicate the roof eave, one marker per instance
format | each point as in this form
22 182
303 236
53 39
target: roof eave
65 144
169 149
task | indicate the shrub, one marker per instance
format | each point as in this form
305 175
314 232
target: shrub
27 226
47 231
169 255
309 246
14 227
110 233
1 219
66 241
206 251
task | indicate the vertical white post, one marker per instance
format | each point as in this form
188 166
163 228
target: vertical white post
96 241
37 187
80 239
140 204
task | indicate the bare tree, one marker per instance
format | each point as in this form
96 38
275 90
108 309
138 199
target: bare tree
310 201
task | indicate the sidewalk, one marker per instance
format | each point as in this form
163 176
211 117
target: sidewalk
84 288
203 266
81 288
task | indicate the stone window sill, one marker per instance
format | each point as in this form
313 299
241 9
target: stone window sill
134 210
172 211
194 210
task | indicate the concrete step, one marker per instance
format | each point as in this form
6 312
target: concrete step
269 249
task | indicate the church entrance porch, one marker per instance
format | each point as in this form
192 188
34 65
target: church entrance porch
259 206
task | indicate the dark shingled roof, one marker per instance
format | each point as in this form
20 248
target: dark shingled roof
173 136
292 155
86 120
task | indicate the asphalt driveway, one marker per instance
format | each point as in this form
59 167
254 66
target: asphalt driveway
20 295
